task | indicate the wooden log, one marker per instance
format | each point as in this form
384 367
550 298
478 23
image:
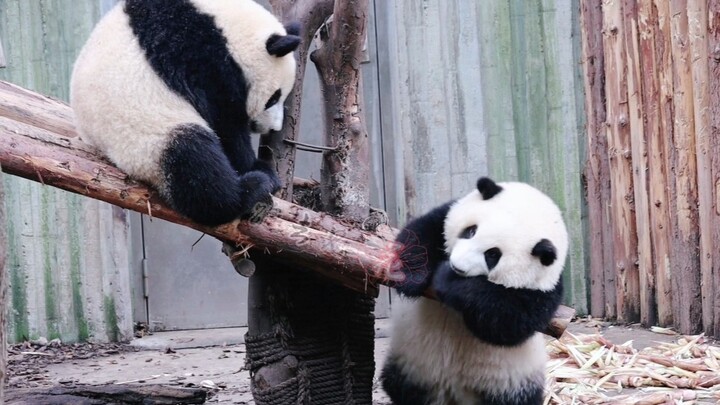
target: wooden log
3 294
714 148
686 274
345 171
698 30
104 394
356 259
275 147
597 167
649 36
620 154
638 145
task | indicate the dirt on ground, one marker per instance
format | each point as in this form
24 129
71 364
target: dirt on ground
220 369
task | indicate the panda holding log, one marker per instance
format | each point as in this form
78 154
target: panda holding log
494 260
170 91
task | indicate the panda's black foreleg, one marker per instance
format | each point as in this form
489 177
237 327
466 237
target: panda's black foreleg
493 313
420 248
201 183
400 389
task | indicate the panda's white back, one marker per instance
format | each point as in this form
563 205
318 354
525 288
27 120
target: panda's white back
431 343
127 119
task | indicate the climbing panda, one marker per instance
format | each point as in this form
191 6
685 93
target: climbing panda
170 91
493 259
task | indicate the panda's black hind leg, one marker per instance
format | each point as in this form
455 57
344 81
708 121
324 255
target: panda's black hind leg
400 389
201 183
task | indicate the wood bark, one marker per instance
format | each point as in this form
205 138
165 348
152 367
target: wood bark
686 277
638 148
597 168
698 52
620 154
651 48
346 170
106 394
3 294
713 44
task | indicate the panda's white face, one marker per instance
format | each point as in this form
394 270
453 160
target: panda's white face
270 77
517 237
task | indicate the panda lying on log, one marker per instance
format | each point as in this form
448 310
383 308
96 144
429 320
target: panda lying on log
494 259
170 91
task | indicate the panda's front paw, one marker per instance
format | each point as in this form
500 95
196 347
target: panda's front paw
409 273
256 189
444 279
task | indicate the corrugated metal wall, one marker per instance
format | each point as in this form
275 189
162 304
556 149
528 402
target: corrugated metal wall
489 87
67 255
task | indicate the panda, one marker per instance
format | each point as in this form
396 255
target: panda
493 259
171 90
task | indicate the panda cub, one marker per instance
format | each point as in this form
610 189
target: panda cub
170 91
494 259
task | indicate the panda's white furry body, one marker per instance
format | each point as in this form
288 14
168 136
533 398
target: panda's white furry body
170 91
453 360
494 259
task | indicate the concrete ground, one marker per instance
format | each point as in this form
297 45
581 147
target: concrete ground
215 358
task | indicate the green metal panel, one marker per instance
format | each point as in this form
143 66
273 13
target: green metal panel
67 254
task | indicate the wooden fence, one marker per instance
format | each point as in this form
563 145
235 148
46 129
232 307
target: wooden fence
652 79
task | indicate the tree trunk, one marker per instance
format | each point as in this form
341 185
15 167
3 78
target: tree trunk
3 294
346 169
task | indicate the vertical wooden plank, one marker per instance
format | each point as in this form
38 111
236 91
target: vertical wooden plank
463 93
698 29
638 142
2 55
620 155
529 90
651 46
494 32
68 261
713 44
4 302
597 167
686 280
562 156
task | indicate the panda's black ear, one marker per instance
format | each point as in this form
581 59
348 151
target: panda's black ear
281 45
545 251
488 188
293 28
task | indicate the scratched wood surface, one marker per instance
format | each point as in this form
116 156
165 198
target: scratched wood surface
660 81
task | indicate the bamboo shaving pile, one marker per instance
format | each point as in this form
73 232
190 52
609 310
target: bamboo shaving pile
588 369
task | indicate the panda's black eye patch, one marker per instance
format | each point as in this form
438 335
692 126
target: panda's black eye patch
545 251
492 257
468 232
273 99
